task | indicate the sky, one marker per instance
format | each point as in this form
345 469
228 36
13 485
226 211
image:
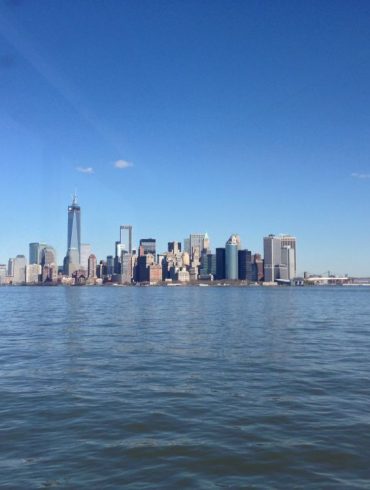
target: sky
248 117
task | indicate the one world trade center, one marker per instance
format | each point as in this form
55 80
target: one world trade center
72 259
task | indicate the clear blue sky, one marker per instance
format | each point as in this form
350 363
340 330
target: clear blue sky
236 116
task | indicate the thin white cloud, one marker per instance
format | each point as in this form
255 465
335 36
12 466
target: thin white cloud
122 164
85 170
360 176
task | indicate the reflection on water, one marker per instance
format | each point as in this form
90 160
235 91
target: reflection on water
184 387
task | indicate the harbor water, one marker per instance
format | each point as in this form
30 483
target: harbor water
158 387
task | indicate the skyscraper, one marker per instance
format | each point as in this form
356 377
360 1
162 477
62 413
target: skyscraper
279 257
19 272
85 254
272 257
231 257
73 257
126 238
245 265
220 263
91 267
197 242
148 246
290 241
35 250
124 244
48 256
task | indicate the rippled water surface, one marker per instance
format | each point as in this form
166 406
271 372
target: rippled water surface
184 387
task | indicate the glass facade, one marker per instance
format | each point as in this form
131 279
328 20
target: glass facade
231 257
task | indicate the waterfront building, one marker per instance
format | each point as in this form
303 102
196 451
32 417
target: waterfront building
110 265
231 257
35 252
19 269
220 263
208 264
101 269
85 254
193 273
143 264
211 264
11 267
245 265
3 273
183 275
126 268
257 268
154 273
91 267
73 258
279 257
272 257
288 261
290 241
33 272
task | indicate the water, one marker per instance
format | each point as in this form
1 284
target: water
184 388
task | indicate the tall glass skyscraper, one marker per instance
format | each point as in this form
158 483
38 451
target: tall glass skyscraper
73 257
231 257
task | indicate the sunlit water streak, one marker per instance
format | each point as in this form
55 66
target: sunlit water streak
184 387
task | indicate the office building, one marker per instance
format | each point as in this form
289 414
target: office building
126 238
110 265
245 265
187 245
11 267
33 272
231 257
279 257
197 243
154 273
124 244
272 257
288 262
73 258
48 256
91 267
3 273
220 263
19 269
126 268
35 251
290 241
211 264
85 254
147 246
257 268
183 275
142 269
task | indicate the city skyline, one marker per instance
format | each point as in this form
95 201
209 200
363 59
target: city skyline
84 250
190 263
245 118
